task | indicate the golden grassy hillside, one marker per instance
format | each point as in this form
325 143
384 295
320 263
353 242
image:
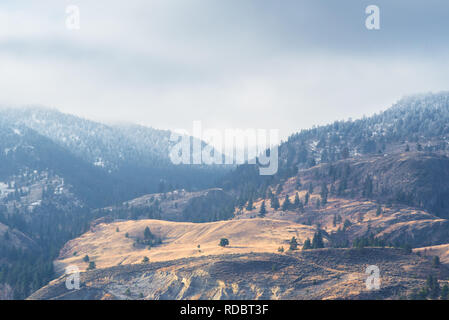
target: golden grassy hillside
442 251
107 247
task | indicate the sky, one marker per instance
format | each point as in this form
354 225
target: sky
265 64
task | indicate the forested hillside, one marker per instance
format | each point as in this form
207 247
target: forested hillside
56 169
416 126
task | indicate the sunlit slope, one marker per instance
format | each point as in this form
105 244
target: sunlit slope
107 244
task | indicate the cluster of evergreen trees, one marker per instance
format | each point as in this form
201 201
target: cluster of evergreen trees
148 239
316 243
24 271
431 290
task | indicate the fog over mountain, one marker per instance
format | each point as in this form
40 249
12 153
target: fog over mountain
116 118
164 64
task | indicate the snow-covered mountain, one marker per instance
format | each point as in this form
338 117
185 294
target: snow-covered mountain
133 158
103 145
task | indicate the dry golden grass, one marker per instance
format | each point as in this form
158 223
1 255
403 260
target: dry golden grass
107 247
442 251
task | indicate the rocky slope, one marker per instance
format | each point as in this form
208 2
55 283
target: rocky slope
314 274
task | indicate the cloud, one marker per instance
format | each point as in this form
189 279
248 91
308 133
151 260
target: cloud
249 64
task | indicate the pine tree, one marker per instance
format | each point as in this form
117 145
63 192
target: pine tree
436 261
418 147
262 210
378 210
368 187
332 190
293 244
298 183
433 286
311 188
306 199
145 260
275 203
324 193
317 241
279 189
445 292
287 204
307 245
297 203
250 205
224 242
147 235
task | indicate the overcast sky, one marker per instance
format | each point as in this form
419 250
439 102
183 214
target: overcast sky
263 64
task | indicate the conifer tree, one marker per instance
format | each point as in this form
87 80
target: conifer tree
324 193
297 203
250 205
307 245
293 244
279 189
287 204
298 183
310 188
262 210
147 234
317 241
275 203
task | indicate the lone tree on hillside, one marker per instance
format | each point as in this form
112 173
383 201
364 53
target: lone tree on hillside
86 258
293 244
224 242
147 234
145 260
91 266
